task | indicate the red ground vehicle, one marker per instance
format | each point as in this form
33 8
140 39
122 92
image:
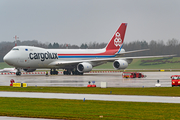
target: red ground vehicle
133 75
175 80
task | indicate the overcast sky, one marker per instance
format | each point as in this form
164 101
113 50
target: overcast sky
84 21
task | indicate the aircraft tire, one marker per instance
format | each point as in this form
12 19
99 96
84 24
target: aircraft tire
76 72
68 73
18 73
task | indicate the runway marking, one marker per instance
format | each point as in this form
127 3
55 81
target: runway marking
126 98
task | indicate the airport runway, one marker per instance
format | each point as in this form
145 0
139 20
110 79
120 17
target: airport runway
112 80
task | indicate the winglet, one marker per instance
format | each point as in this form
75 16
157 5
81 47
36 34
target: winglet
118 38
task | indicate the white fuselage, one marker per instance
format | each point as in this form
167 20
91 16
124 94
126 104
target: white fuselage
35 57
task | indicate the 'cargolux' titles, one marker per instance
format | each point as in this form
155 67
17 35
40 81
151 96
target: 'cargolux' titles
43 56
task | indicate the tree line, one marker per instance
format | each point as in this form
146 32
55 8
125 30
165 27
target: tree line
157 47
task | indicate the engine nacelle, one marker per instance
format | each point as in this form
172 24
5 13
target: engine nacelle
29 70
84 67
120 64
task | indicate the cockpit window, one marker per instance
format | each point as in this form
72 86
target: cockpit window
15 49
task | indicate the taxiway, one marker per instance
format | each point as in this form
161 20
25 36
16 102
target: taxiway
112 80
126 98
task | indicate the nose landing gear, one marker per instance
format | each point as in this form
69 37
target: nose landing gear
18 73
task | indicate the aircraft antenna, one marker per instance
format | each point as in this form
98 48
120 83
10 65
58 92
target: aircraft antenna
16 39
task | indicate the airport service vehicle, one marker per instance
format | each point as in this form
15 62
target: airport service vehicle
175 79
133 75
73 61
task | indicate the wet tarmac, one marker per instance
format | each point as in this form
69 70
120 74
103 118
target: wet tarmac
112 80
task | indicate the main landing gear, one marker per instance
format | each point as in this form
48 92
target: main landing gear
18 73
53 72
74 72
66 72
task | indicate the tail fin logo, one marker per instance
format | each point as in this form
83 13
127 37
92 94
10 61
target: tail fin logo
117 40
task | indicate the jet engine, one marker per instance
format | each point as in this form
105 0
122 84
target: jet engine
120 64
29 70
84 67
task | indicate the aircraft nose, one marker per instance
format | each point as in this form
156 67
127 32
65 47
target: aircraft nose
6 58
11 58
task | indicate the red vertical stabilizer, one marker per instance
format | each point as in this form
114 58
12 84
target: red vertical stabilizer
118 38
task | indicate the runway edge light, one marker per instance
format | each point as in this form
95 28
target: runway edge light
158 84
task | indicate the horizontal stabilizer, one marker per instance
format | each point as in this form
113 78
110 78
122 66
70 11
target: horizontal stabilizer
132 51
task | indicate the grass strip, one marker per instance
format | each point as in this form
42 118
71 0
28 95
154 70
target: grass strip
77 109
158 91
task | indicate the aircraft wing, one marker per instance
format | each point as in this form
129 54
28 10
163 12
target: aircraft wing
103 60
148 56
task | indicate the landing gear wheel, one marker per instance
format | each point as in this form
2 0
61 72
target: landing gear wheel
66 72
78 73
69 73
54 72
73 72
18 73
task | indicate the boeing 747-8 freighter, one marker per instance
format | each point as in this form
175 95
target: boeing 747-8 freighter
73 61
